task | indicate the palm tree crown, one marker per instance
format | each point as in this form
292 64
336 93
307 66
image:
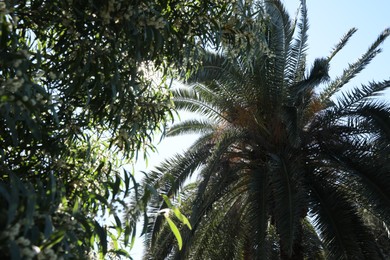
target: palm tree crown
285 169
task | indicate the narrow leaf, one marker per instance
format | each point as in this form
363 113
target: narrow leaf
175 231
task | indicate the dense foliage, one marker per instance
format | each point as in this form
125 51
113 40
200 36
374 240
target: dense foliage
288 165
77 101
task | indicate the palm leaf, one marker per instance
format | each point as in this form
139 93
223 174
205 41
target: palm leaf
341 44
288 200
297 58
354 68
191 127
339 224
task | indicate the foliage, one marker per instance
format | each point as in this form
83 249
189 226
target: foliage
78 99
285 168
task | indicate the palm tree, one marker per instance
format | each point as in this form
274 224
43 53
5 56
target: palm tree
285 169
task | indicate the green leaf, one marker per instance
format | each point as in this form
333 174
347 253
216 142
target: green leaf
127 183
127 233
55 238
76 206
121 252
102 233
175 231
177 212
118 222
182 218
114 241
167 201
133 237
116 186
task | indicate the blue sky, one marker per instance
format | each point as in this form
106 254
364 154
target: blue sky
329 21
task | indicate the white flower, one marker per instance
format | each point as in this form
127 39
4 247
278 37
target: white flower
164 212
36 249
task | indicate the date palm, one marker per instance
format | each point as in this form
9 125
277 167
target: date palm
285 167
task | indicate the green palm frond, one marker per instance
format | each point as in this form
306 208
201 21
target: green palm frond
372 178
166 240
220 222
280 35
302 92
191 127
339 224
188 100
296 60
258 209
361 94
341 44
378 118
203 205
288 199
170 176
354 68
227 80
313 246
216 162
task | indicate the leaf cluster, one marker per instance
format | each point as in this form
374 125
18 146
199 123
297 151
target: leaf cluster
83 87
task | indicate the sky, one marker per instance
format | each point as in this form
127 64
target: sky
329 21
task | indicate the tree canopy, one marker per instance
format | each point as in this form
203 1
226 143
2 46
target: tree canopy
77 101
288 165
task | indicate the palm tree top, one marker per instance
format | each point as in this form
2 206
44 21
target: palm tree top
276 146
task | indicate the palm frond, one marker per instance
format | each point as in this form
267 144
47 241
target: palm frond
221 221
288 197
312 244
361 94
296 60
302 92
377 116
206 196
164 244
195 126
369 175
212 69
170 176
344 234
279 37
341 44
258 210
354 68
215 160
189 100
